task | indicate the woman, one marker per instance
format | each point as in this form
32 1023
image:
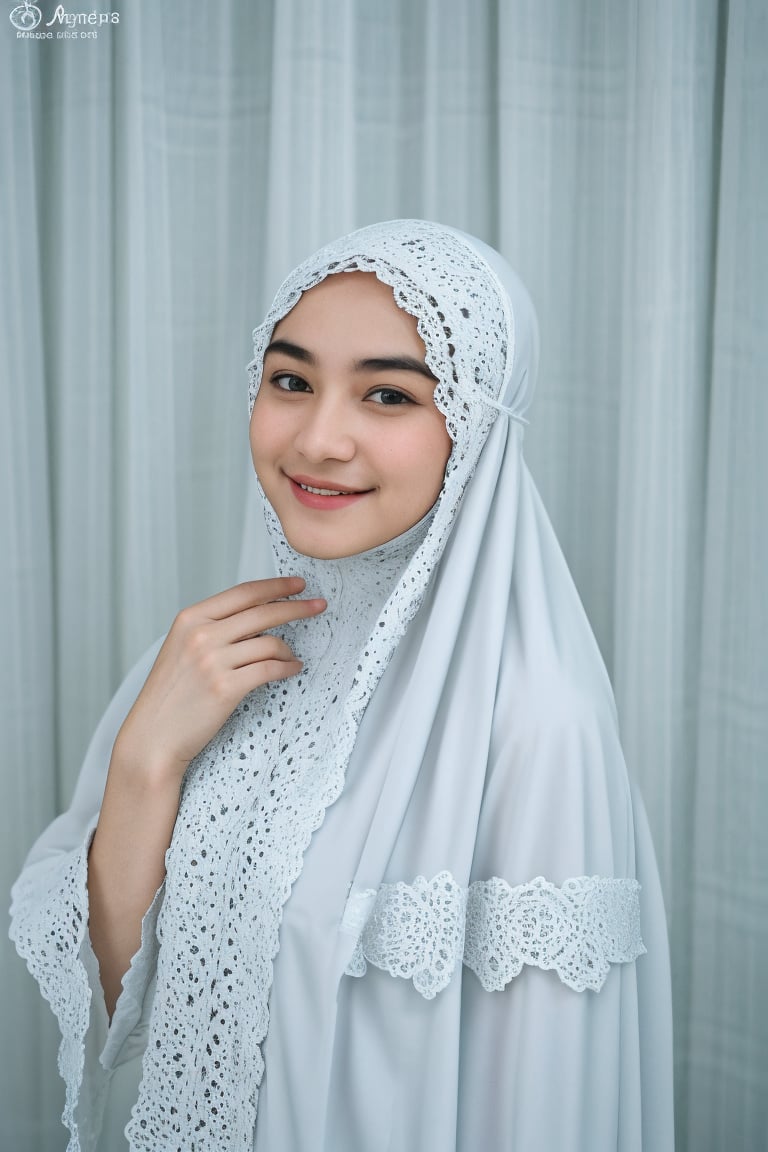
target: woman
328 794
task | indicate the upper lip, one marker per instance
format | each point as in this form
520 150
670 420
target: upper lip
330 485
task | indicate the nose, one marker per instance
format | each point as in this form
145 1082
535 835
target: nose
325 431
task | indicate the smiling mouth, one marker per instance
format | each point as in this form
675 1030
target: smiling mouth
326 491
321 499
317 489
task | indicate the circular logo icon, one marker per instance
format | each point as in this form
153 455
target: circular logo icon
26 16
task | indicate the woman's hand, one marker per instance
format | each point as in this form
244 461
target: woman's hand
213 656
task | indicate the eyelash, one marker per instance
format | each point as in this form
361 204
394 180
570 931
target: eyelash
402 400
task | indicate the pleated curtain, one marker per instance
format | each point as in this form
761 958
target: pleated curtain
158 180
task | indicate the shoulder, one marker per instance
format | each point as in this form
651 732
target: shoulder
550 713
557 800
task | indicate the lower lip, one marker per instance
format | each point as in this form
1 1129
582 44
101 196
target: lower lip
325 503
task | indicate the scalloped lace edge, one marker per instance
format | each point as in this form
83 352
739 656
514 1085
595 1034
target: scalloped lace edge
422 931
51 950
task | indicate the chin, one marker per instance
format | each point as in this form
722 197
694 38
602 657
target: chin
323 549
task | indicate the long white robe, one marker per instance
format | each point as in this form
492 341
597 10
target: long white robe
369 1064
453 754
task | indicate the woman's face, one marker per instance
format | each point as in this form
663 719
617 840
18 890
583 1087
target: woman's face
346 439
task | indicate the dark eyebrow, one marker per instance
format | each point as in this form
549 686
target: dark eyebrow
394 364
370 364
288 349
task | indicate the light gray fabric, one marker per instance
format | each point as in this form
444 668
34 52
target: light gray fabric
62 847
534 1066
488 747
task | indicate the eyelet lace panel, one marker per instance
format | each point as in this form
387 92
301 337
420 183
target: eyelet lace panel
421 931
49 923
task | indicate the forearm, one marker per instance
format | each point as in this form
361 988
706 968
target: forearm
215 654
126 864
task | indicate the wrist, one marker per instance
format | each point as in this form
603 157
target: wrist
144 772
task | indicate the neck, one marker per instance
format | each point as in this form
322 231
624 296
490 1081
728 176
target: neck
355 587
363 573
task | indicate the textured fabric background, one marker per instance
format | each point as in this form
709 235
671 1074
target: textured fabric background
157 181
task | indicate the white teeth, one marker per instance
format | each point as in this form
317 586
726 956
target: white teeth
321 491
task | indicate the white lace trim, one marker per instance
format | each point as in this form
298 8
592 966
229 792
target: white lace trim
421 931
49 920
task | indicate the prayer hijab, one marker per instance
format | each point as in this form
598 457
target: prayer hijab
403 903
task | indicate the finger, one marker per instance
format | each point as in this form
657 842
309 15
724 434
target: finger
244 680
247 595
254 621
259 650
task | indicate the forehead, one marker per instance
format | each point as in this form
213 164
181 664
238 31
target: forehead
351 308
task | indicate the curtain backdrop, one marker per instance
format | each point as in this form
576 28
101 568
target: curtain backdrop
159 179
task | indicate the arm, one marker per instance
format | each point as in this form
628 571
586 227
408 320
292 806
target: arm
137 736
213 656
126 864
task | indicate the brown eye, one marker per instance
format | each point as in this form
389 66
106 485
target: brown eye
389 397
289 382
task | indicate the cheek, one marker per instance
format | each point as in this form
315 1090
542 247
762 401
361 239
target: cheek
255 439
421 461
264 433
436 452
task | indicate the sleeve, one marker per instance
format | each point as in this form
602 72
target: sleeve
555 1033
49 926
574 1071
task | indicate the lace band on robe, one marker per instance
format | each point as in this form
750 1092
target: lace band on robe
421 931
